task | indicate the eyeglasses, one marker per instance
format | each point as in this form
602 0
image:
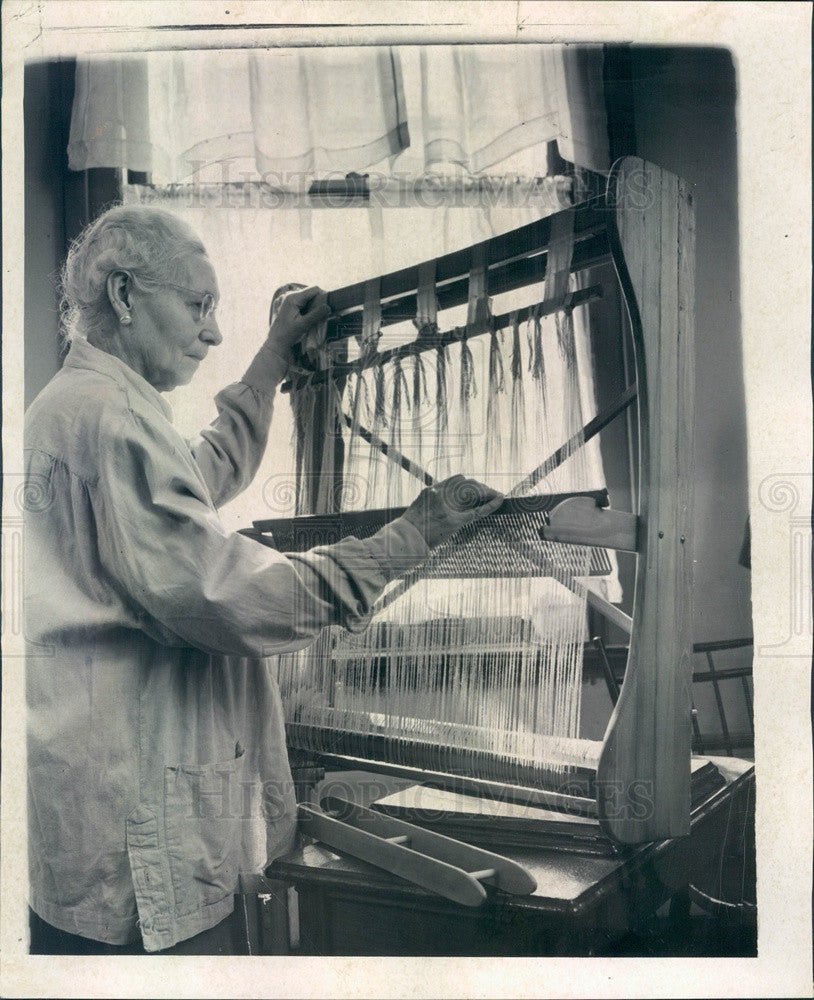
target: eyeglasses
205 301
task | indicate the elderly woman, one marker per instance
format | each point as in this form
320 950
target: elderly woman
157 760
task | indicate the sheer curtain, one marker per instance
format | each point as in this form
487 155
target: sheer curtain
231 114
279 114
484 103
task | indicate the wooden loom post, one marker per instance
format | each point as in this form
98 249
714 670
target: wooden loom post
643 776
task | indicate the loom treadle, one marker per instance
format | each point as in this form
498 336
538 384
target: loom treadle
436 862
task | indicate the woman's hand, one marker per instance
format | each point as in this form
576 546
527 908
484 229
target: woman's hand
440 510
294 315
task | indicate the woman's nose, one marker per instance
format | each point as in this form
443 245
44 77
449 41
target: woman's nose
211 332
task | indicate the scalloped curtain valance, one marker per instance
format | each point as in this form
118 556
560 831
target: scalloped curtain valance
276 115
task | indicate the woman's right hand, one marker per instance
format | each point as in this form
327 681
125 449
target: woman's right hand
298 313
440 510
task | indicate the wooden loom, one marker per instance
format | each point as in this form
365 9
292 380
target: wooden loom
637 783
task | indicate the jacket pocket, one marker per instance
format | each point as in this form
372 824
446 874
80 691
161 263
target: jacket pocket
203 811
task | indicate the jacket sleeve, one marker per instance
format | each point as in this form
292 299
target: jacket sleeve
163 547
230 450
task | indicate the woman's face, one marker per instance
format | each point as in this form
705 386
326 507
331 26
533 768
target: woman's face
168 338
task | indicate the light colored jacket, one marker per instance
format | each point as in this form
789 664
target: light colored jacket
157 766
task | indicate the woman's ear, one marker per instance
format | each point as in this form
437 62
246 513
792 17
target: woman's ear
118 293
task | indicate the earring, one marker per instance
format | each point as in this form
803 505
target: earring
124 319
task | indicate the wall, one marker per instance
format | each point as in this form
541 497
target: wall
58 205
684 108
684 101
45 167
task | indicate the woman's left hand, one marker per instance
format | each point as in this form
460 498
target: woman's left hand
299 312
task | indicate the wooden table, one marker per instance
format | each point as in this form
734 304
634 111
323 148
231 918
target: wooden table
316 902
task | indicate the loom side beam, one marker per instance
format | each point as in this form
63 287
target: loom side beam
581 521
644 767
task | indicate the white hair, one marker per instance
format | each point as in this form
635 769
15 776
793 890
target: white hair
151 244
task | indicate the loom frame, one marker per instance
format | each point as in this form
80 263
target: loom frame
644 225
